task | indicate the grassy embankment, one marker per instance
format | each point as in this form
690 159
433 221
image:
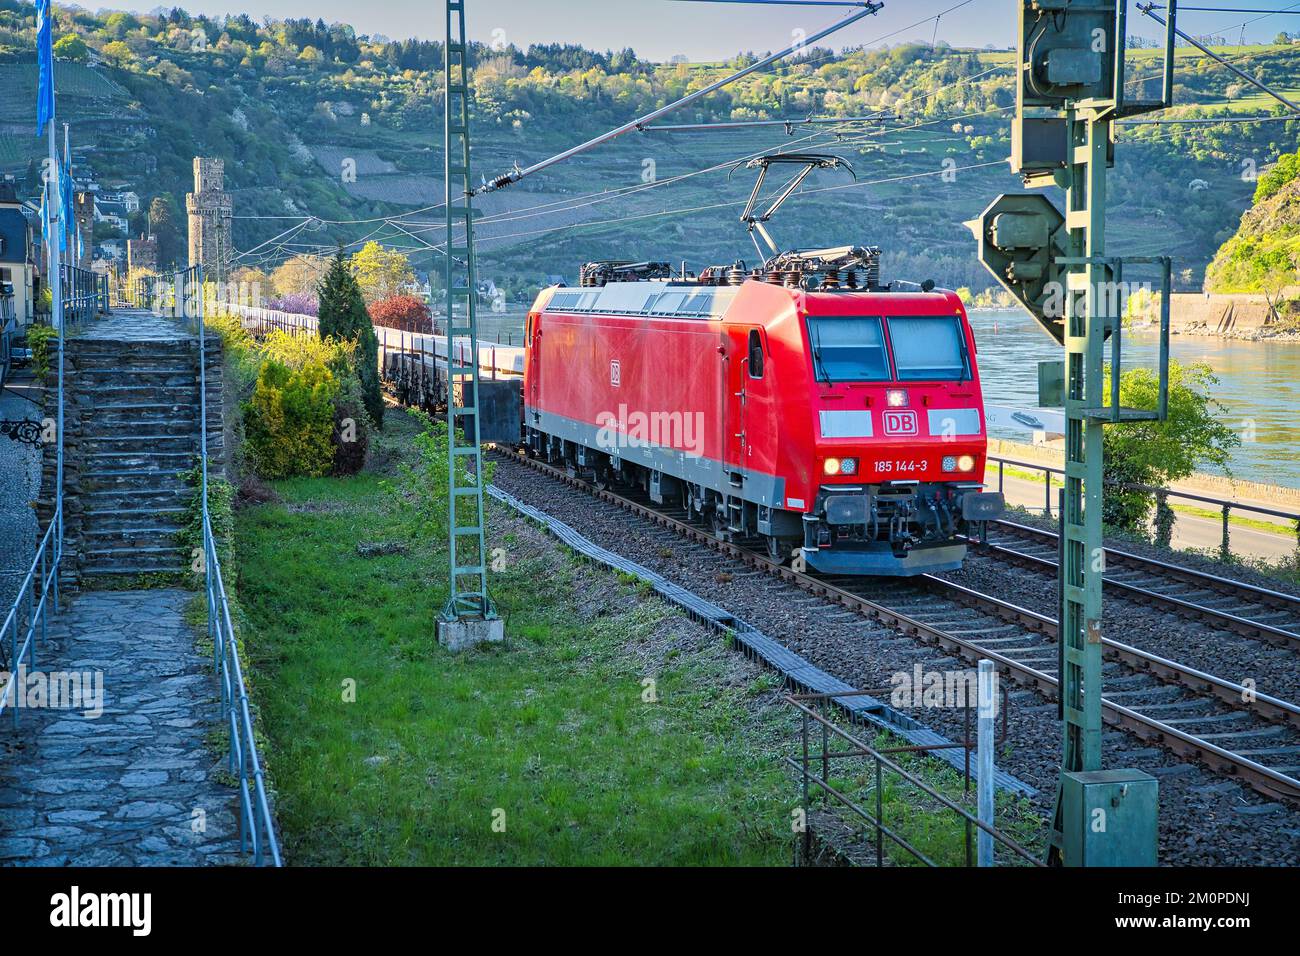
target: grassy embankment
543 751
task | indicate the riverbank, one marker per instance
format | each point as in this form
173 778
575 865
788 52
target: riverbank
1239 491
1266 543
1250 317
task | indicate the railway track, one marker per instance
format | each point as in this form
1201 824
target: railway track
1251 737
1241 608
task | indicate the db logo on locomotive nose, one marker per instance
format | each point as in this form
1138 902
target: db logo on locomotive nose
615 376
900 423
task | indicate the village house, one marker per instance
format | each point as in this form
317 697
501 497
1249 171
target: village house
17 252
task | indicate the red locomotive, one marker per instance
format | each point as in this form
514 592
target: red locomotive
803 402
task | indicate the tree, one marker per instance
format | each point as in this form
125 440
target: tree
118 52
406 312
1157 453
299 275
343 316
71 47
381 273
163 227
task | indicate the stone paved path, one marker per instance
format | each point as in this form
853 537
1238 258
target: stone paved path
20 480
123 788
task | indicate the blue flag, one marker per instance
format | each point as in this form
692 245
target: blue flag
45 57
45 216
67 218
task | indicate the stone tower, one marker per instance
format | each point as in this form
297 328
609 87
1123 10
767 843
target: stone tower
210 209
83 210
142 253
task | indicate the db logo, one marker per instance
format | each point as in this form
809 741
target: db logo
615 376
900 423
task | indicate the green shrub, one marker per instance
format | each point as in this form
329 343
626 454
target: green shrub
1158 453
351 433
418 496
350 421
1271 182
43 341
221 515
289 420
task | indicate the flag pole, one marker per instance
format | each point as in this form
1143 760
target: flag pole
56 314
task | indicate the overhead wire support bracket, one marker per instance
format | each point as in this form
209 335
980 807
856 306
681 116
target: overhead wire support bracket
869 8
1149 10
789 123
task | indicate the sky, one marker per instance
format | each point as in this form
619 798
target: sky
661 29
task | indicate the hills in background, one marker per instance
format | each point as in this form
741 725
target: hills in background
315 119
1264 253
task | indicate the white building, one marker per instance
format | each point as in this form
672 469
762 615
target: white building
17 252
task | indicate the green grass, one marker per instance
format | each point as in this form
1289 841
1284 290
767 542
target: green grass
549 734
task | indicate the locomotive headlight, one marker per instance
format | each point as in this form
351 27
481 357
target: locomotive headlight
966 463
831 466
840 466
896 398
949 463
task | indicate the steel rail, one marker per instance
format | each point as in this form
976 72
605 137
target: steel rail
1230 621
1261 778
1270 708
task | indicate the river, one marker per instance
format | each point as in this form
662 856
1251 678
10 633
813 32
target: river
1257 384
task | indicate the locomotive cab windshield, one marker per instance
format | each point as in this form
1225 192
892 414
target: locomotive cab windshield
919 348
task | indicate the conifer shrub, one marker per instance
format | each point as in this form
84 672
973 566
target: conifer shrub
289 420
343 316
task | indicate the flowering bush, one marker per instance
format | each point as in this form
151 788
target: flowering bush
299 303
405 312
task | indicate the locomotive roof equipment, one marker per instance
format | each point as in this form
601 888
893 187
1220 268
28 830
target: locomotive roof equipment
809 162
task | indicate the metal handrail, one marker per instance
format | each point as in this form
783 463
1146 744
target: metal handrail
8 334
45 570
1225 506
84 292
882 763
256 824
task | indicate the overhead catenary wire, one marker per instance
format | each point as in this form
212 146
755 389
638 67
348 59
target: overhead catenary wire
1147 9
401 222
403 217
741 202
515 175
729 164
609 195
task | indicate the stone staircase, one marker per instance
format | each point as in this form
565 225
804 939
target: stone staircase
131 421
